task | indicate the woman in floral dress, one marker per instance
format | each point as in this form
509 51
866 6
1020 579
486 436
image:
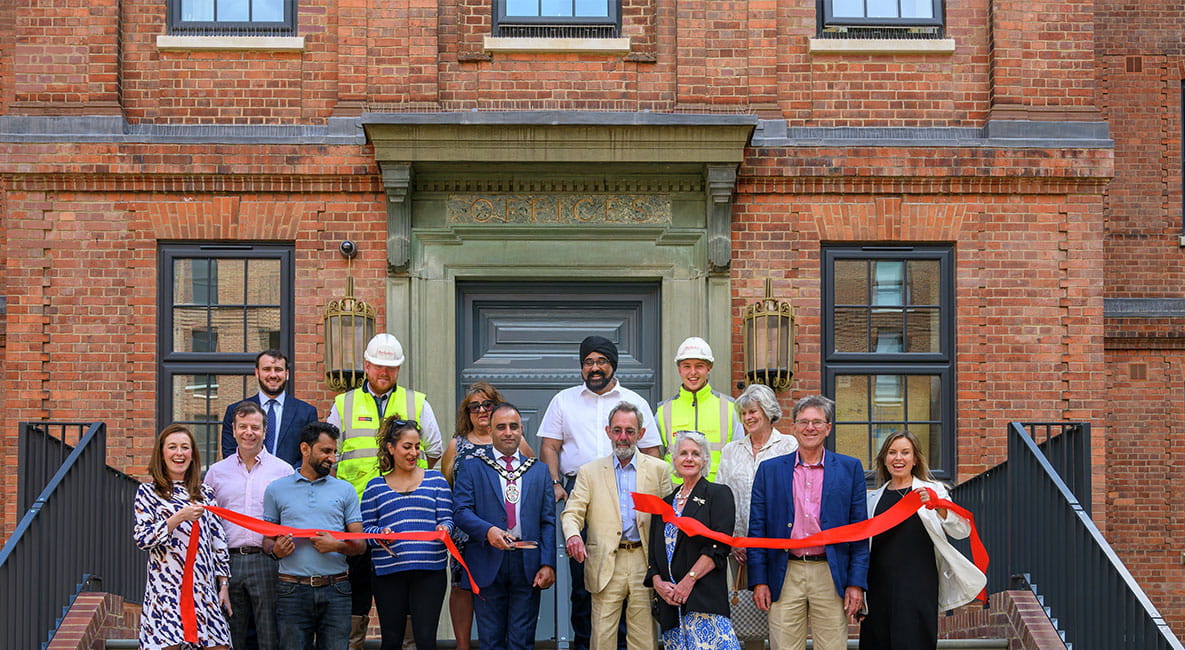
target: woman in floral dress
166 509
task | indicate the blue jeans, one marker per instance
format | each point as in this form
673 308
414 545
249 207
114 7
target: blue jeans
304 613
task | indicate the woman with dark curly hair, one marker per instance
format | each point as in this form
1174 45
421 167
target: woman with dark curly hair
409 575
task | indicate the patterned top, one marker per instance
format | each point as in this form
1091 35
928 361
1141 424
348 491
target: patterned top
422 509
738 467
696 630
160 619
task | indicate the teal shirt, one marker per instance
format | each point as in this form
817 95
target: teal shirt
327 503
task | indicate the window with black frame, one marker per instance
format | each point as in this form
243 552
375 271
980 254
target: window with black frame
558 18
888 354
219 306
232 17
881 18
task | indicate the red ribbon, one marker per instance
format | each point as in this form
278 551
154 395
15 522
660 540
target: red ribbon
188 613
267 528
902 510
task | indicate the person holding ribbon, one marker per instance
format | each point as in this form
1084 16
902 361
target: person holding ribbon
409 574
688 572
914 571
172 524
471 438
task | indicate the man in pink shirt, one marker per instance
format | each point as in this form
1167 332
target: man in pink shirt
822 586
238 482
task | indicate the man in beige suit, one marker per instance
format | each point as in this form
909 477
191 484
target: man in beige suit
617 535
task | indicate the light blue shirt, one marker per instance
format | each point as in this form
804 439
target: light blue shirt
327 503
627 483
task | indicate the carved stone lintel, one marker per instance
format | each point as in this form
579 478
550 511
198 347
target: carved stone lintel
397 180
721 184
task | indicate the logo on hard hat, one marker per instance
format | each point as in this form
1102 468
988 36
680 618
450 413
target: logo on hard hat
384 350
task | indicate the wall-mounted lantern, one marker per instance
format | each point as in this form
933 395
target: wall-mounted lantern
349 325
767 331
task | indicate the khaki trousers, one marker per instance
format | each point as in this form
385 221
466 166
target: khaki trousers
808 595
628 572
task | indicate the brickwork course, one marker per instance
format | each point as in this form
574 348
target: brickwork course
1067 246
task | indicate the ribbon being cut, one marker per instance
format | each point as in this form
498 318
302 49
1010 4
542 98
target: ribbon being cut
904 509
268 529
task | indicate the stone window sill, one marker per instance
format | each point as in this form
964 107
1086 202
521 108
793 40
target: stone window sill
606 46
268 43
881 46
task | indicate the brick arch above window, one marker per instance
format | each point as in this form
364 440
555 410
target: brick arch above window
230 218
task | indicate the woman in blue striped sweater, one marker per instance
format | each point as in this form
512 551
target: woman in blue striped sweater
410 576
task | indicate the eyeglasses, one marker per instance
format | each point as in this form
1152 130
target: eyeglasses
809 424
478 407
617 431
592 363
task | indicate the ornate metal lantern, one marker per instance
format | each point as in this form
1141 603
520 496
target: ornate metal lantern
349 325
768 341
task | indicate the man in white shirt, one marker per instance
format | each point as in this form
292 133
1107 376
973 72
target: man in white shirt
573 433
238 482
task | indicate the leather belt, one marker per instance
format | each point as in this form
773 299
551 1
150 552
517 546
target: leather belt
629 546
821 557
314 581
245 550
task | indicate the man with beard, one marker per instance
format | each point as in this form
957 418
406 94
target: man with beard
284 415
572 432
503 501
616 555
313 590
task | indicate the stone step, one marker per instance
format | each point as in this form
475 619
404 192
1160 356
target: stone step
853 644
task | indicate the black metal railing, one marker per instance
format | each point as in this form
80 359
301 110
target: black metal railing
80 523
1039 533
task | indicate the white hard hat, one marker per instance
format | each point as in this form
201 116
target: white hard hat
694 348
384 350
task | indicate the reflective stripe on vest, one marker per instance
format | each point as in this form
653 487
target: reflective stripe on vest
716 440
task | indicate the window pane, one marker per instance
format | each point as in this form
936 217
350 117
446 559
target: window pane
922 326
522 7
262 324
592 8
556 8
271 11
924 391
229 274
882 8
888 339
917 9
930 437
228 323
187 320
923 282
852 439
264 282
888 397
851 282
847 8
888 281
233 11
851 329
851 398
198 397
197 10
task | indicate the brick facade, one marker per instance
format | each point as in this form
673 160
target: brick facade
1046 228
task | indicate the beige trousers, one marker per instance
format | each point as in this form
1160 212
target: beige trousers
808 595
628 572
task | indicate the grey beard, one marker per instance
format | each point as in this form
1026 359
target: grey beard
625 454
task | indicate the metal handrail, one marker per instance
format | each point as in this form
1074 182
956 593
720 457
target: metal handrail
79 524
1039 532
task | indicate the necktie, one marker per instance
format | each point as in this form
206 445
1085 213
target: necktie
269 440
511 520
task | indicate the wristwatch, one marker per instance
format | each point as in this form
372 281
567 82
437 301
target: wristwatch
556 482
691 574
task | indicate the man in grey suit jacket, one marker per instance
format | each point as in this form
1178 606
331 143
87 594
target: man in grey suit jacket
284 415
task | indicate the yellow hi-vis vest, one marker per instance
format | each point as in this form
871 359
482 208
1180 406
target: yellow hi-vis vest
358 461
707 411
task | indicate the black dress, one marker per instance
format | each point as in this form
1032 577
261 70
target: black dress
902 586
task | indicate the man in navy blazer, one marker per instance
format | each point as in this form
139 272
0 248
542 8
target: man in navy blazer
794 497
505 503
271 372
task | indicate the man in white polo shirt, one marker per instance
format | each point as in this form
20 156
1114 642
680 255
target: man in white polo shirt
573 433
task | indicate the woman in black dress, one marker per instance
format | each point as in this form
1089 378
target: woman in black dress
905 592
